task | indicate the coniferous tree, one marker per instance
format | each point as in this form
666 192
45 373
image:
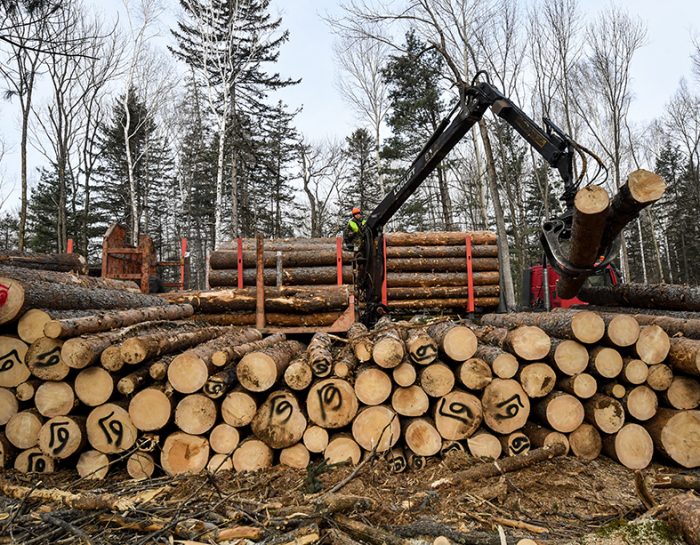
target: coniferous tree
9 226
360 186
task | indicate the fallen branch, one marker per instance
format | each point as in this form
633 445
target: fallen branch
365 532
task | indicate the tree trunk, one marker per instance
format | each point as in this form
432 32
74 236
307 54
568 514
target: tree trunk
360 342
317 319
54 399
605 413
404 375
22 430
605 362
259 371
676 434
342 448
683 393
622 330
105 321
30 326
62 436
439 238
515 443
583 326
440 264
437 292
74 263
653 344
569 357
590 212
140 466
195 414
8 405
285 299
298 375
34 461
653 296
315 439
296 276
279 422
323 256
138 349
421 436
93 386
427 280
458 250
581 385
238 408
152 408
540 436
296 456
110 429
230 354
93 465
319 355
635 371
537 379
417 304
641 403
436 379
660 377
224 439
484 445
684 355
252 455
457 342
475 374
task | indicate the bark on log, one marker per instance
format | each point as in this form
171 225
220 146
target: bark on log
219 383
457 250
294 276
631 446
417 304
25 294
676 434
111 359
184 454
230 354
319 355
84 281
60 262
188 372
641 189
388 349
507 465
440 264
228 259
298 375
427 280
457 415
439 238
589 219
560 411
684 516
30 326
372 385
442 292
134 381
258 371
344 363
584 326
411 401
283 299
141 348
605 413
272 319
376 429
684 355
279 422
106 321
13 370
541 436
360 342
332 403
422 348
586 442
653 296
506 406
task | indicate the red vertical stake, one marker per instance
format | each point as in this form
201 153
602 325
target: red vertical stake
339 259
470 276
183 254
239 262
384 295
69 246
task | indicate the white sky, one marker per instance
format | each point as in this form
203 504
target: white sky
657 69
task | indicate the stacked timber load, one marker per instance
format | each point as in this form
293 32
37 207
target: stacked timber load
143 389
430 270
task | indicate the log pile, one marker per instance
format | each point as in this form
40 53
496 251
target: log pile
144 389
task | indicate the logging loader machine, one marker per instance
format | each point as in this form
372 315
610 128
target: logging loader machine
557 148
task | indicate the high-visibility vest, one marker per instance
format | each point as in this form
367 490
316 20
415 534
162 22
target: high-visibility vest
353 225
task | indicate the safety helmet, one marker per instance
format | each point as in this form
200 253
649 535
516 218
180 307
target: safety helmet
356 210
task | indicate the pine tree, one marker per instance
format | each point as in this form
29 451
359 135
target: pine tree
361 185
416 111
9 227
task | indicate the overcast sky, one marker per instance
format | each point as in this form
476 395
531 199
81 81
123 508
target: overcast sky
308 55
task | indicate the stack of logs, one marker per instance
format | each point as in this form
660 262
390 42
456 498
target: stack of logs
146 388
428 270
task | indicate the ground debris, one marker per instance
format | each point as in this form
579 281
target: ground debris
558 501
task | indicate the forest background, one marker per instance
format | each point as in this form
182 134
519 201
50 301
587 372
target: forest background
172 122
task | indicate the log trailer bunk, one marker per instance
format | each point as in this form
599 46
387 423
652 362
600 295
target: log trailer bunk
551 143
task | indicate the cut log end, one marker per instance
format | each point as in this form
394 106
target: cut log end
588 327
645 186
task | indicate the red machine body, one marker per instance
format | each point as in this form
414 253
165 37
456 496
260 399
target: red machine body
534 296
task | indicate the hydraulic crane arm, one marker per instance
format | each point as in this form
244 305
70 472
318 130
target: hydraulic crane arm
551 143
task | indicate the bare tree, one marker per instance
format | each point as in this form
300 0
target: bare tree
361 83
603 85
321 171
20 71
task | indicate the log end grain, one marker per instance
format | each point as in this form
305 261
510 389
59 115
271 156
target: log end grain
570 357
376 428
187 372
150 409
252 455
184 454
631 446
623 330
653 344
586 442
588 327
529 342
342 449
372 386
645 186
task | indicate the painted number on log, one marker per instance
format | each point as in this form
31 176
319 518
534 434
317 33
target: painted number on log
458 411
329 399
425 352
36 463
50 358
519 444
214 389
321 368
281 410
512 407
59 434
9 360
113 430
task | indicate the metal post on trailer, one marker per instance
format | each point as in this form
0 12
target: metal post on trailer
69 246
183 255
339 259
470 276
385 298
259 282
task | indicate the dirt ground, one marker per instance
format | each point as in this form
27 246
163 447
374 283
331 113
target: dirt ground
561 501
